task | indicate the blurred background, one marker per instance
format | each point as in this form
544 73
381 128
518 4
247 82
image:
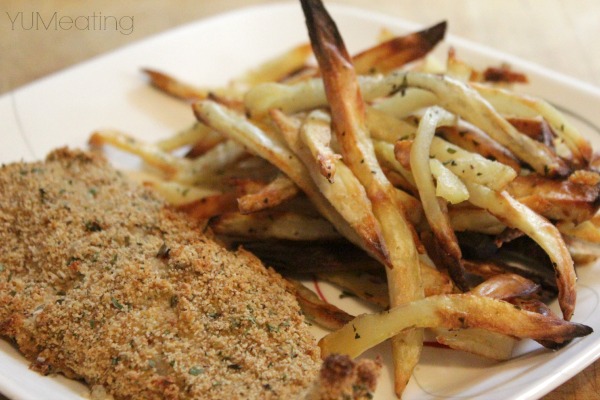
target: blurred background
561 35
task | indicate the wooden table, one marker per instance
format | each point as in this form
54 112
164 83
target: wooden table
558 34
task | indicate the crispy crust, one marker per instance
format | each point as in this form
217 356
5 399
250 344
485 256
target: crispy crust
343 378
100 281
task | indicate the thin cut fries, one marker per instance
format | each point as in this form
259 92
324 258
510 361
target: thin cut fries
275 193
434 210
453 311
316 135
318 311
236 126
516 215
421 188
347 109
345 192
525 106
398 51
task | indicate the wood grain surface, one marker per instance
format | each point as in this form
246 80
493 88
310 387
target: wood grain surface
562 35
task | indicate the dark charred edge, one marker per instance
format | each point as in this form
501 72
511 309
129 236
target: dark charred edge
312 257
434 34
322 30
409 47
443 259
579 330
324 314
380 250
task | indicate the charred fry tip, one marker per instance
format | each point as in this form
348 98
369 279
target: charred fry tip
322 29
156 77
434 34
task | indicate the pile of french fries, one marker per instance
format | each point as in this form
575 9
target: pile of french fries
372 172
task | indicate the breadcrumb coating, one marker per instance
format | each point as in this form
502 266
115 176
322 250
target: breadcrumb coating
100 281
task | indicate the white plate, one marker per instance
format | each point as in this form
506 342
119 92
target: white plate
110 92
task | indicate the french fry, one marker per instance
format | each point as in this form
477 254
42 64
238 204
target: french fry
385 127
434 210
447 185
271 195
209 206
239 128
403 101
320 312
174 193
347 111
516 215
345 193
277 68
315 134
468 166
184 137
398 51
451 311
211 164
150 153
476 141
492 345
521 105
560 200
174 87
474 220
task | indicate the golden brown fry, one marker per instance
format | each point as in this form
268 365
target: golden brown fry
369 286
174 193
435 211
210 206
454 311
460 99
345 193
174 87
478 142
347 110
271 195
468 166
185 137
520 105
320 312
270 148
205 144
536 128
398 51
402 102
492 345
505 286
560 200
211 164
277 68
494 75
475 220
315 134
488 344
150 153
517 215
385 127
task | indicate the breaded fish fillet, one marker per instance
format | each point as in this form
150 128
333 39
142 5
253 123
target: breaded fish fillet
101 281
